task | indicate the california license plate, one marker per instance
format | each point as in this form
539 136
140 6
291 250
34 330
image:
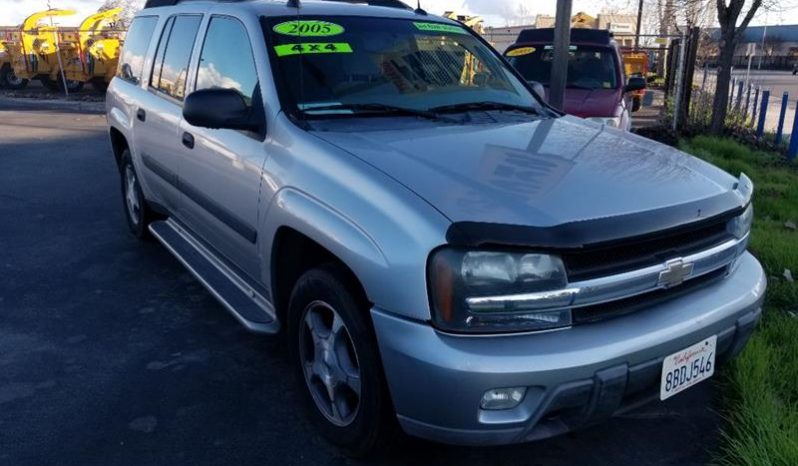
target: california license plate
687 367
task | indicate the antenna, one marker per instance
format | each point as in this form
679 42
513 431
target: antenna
420 10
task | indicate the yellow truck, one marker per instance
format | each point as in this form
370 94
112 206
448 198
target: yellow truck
32 51
91 53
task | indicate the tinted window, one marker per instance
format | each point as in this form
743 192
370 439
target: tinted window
174 52
131 62
227 61
589 67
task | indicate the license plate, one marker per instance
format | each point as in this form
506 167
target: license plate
685 368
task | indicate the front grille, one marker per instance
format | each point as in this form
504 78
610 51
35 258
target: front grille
624 256
587 314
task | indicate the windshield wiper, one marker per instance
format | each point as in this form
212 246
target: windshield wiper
464 107
373 108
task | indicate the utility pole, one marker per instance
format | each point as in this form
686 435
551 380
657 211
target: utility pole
639 24
764 37
58 52
562 44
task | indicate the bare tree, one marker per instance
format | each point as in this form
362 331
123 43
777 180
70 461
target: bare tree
129 9
730 35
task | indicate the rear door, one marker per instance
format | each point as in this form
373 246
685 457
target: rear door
220 171
161 109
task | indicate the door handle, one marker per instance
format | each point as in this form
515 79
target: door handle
188 140
141 114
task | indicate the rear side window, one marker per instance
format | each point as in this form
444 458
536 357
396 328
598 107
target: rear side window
174 52
227 61
131 62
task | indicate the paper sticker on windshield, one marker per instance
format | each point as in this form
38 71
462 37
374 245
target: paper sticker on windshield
438 27
287 50
308 28
521 51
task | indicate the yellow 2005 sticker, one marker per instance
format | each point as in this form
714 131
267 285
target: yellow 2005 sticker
308 28
521 51
286 50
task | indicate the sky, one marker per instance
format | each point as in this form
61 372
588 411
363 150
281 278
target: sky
495 12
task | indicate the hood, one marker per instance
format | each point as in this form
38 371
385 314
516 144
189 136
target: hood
586 103
536 173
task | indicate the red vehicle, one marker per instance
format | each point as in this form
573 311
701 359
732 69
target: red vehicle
597 87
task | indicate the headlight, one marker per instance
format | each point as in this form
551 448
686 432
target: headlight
485 291
611 122
741 225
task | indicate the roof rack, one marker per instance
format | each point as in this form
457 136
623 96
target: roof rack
295 3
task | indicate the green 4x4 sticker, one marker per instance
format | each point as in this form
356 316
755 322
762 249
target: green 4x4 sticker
286 50
308 28
438 27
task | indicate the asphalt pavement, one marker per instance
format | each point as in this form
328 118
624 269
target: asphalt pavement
112 354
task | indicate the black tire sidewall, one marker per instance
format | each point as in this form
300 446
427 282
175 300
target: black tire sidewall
368 428
139 229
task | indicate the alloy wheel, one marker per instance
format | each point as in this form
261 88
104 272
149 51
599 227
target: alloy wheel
330 363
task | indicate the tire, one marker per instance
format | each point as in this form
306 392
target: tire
9 80
99 85
58 84
137 213
320 302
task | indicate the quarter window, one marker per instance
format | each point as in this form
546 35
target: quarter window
227 61
137 42
174 52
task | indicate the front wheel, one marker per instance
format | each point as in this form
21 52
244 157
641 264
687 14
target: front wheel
9 79
335 353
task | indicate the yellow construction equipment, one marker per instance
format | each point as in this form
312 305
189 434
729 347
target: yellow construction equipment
471 68
91 53
7 77
32 50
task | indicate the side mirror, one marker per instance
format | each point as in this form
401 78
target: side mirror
127 72
635 83
636 104
219 109
538 89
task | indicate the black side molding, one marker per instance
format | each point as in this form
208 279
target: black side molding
596 232
208 204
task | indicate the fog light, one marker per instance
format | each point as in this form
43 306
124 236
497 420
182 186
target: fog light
502 398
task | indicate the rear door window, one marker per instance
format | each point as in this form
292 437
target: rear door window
137 42
174 52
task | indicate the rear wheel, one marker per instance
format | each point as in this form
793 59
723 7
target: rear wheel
99 85
337 360
58 84
137 213
9 79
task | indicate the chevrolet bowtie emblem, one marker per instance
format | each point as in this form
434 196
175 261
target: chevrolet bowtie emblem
675 273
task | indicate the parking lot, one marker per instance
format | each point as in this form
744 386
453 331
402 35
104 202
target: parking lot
112 354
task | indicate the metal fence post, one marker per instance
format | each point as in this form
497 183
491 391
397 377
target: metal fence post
763 113
782 114
793 150
756 102
731 92
747 101
739 96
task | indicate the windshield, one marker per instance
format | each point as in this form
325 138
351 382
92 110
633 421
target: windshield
589 67
339 61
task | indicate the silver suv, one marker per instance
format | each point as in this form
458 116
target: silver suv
440 248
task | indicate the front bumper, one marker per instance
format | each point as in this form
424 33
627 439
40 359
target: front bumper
575 377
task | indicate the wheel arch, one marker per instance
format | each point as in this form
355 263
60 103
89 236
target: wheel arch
118 145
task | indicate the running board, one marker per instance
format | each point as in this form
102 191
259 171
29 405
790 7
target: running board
248 306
